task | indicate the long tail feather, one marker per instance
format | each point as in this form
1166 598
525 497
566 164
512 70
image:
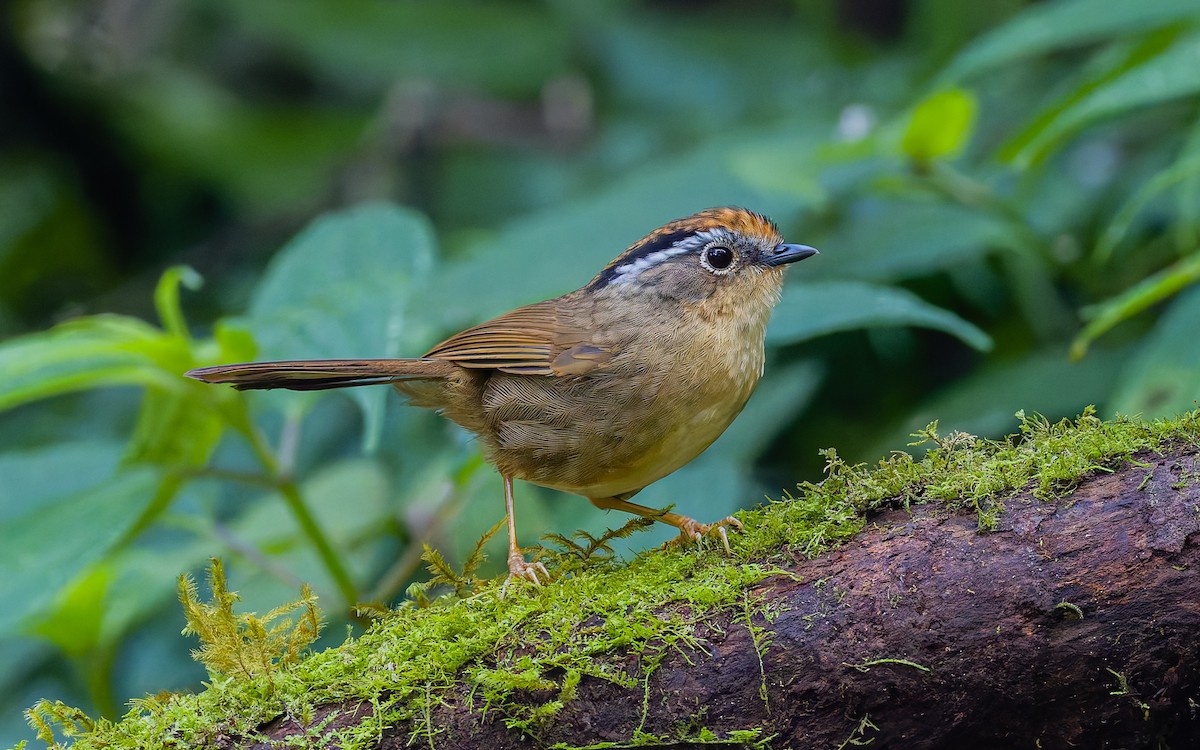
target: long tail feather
320 374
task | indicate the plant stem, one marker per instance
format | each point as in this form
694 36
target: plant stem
308 524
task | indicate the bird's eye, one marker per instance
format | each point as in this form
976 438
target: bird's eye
716 258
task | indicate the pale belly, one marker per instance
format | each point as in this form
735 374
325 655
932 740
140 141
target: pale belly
639 438
653 458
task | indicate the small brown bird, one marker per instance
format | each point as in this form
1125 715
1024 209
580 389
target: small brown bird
605 389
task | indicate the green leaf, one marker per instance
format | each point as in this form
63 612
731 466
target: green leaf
176 429
346 287
816 309
1051 26
1179 172
75 621
1134 300
1101 69
35 476
48 546
1166 77
174 424
1164 378
940 126
892 240
86 353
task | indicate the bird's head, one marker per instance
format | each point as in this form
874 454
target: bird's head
717 261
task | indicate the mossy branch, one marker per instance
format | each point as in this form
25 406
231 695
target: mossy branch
920 589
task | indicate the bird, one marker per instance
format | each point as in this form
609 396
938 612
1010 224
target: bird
603 390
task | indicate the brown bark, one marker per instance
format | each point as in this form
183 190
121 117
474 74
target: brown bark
1009 664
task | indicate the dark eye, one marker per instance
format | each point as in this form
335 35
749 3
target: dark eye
717 257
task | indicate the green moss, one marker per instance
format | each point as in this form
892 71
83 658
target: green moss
751 739
540 642
866 665
760 636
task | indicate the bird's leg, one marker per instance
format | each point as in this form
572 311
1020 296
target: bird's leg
518 566
690 530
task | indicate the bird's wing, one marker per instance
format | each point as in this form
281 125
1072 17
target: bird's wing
530 340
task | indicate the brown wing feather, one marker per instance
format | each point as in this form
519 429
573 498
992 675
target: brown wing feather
530 340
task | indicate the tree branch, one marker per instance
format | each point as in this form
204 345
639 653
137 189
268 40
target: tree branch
1074 624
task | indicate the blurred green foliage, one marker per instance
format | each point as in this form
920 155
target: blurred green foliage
1007 201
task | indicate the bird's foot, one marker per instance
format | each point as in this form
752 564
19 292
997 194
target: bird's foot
519 567
692 531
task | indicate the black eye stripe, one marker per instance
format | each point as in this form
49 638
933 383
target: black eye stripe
634 254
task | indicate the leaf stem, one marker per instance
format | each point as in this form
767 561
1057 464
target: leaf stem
295 503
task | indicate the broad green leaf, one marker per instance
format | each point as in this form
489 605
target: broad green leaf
1169 76
892 240
1148 291
1050 26
174 425
819 308
347 287
74 622
91 352
37 476
940 125
51 544
1164 378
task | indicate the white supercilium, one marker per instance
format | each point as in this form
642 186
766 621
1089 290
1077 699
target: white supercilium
627 272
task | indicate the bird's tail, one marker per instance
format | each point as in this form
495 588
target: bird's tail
320 374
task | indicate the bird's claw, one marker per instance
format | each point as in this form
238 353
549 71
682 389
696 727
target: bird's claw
519 567
692 531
